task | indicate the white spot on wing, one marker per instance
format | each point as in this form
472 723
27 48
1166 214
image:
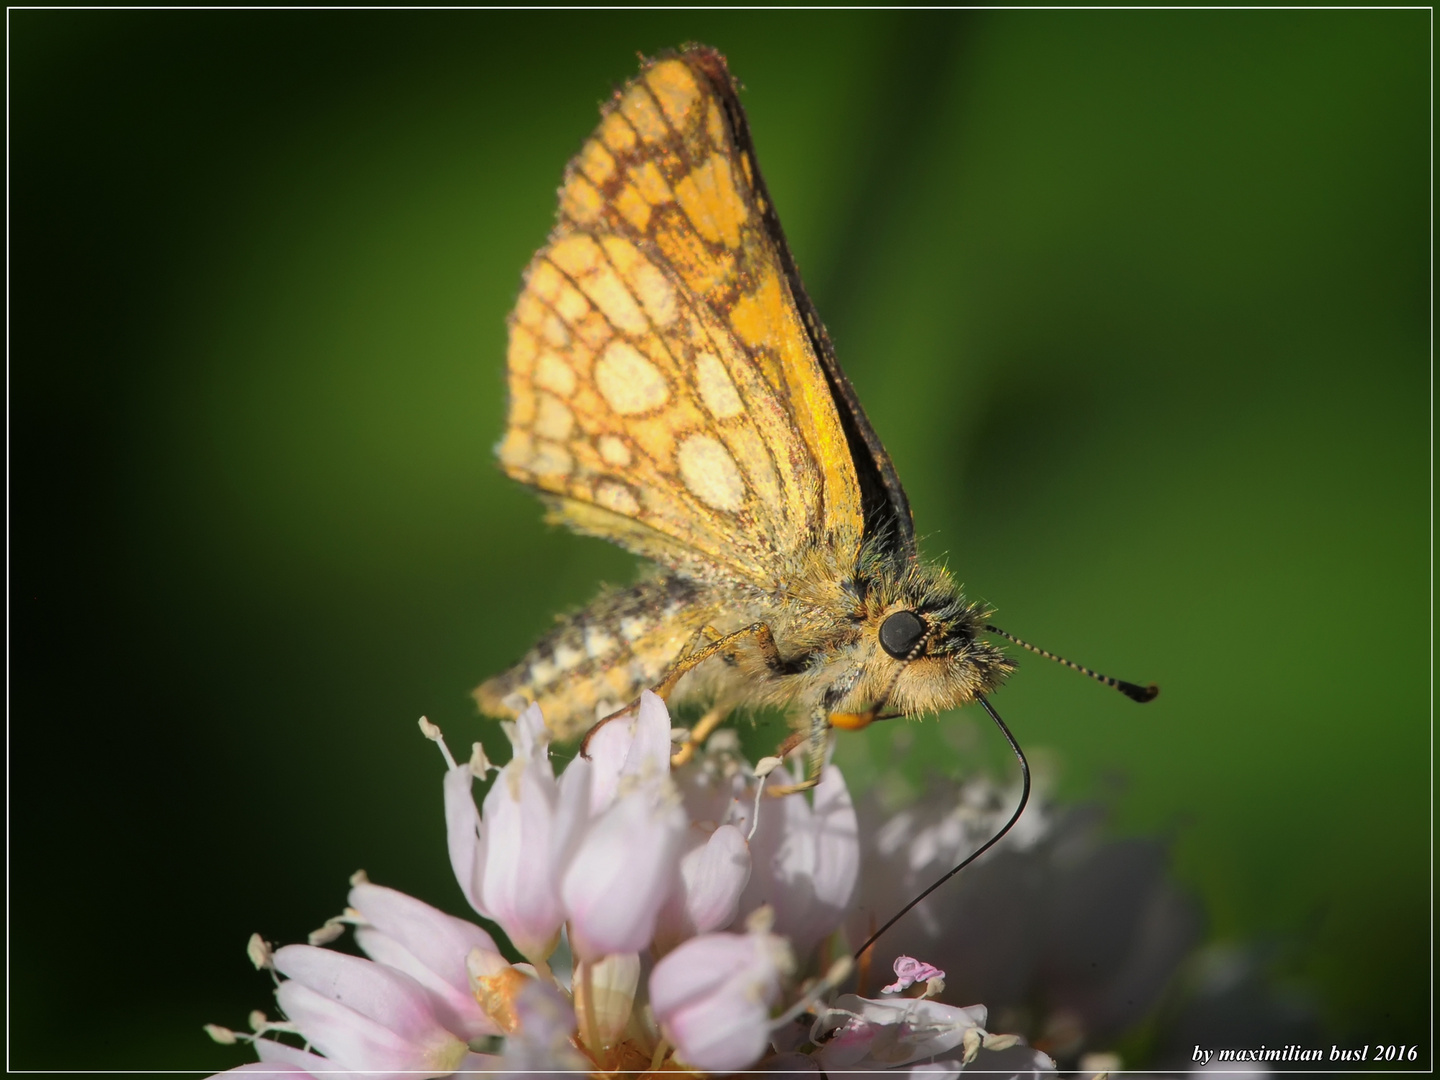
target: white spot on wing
711 473
613 451
551 460
628 381
716 389
554 374
552 419
616 496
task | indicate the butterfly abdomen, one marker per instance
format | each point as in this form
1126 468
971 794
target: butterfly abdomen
605 654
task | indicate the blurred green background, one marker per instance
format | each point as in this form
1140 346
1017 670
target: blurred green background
1139 302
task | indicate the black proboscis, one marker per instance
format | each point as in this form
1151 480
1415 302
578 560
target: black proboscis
1019 809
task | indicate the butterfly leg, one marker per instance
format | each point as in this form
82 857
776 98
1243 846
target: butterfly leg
699 733
816 740
690 658
694 657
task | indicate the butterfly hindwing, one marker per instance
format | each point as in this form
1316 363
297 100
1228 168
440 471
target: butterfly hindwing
885 504
666 391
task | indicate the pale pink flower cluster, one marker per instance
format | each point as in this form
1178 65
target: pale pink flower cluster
667 919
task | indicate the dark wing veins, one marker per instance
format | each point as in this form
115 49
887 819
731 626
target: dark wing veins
886 509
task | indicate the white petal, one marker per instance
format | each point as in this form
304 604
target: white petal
572 812
439 941
259 1070
720 1036
712 877
899 1030
715 878
636 744
456 1009
373 990
698 967
837 837
517 885
607 750
805 862
531 737
605 994
273 1052
623 872
355 1041
712 997
463 834
649 755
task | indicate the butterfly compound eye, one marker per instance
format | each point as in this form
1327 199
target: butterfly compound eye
900 632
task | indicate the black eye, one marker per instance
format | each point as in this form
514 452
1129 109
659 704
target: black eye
900 632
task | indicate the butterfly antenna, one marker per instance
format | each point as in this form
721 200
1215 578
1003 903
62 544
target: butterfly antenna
1019 809
1131 690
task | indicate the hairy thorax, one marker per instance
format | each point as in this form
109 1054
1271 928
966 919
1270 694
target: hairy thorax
822 618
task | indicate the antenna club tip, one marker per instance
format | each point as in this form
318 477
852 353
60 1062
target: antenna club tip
1141 694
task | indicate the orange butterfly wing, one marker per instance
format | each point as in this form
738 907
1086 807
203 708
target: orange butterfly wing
665 392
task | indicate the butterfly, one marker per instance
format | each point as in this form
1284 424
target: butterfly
673 390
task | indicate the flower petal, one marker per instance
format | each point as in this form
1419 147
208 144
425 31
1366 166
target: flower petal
623 872
256 1070
649 755
441 941
636 744
909 971
517 882
805 861
355 1041
273 1052
529 737
713 874
712 997
456 1010
464 835
897 1030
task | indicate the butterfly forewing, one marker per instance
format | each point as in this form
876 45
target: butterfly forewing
664 389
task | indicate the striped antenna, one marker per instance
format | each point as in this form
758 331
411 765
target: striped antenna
1131 690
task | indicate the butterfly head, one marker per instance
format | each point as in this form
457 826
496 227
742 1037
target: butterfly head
922 644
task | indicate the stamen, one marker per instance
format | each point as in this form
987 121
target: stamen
838 973
971 1042
258 1023
262 1026
335 925
480 765
764 768
761 920
259 952
333 929
432 732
